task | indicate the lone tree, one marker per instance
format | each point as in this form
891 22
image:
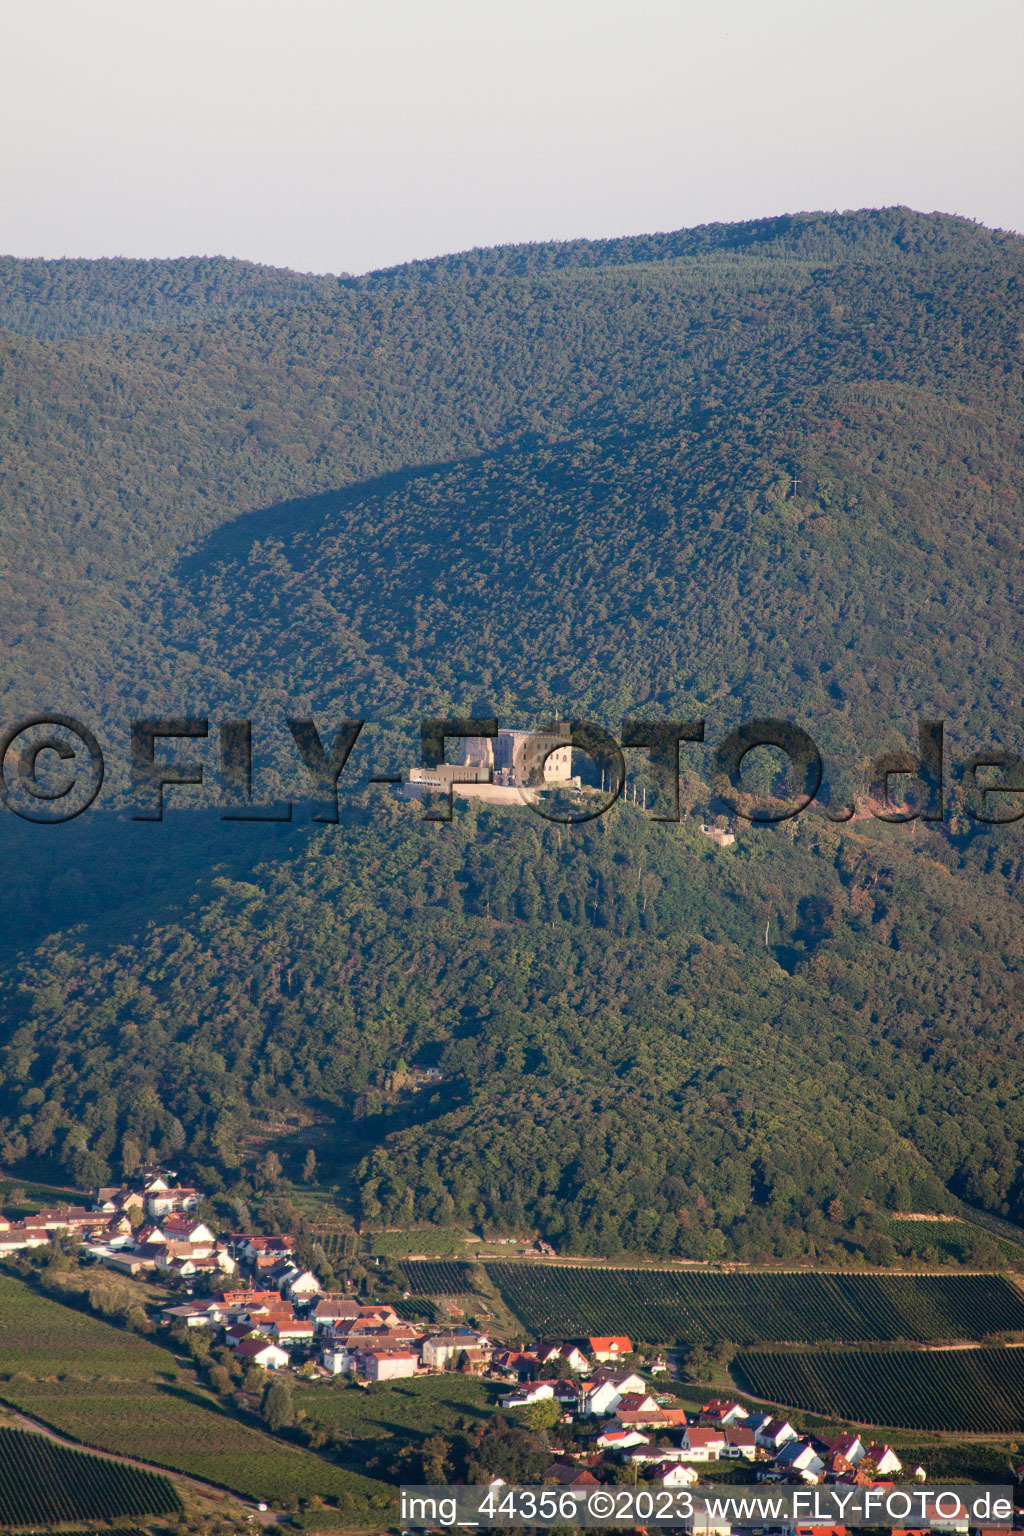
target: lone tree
309 1167
278 1408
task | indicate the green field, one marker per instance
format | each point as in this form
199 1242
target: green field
44 1338
50 1484
442 1241
119 1392
973 1390
406 1409
662 1306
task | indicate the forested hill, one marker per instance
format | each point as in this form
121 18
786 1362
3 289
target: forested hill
769 468
57 299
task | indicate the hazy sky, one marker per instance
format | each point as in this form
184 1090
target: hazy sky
339 135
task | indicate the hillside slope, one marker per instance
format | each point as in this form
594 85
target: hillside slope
773 468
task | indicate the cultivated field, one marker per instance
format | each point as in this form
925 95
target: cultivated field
954 1241
118 1392
439 1240
405 1409
662 1306
47 1483
972 1390
184 1428
428 1277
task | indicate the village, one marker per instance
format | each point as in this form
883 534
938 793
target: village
256 1299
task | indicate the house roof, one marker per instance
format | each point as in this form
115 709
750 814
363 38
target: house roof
704 1437
251 1347
606 1343
738 1434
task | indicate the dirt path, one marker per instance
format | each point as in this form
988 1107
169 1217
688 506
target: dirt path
21 1420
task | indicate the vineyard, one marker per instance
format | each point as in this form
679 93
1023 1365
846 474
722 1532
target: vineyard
662 1306
44 1482
973 1390
184 1429
428 1277
956 1241
445 1242
117 1392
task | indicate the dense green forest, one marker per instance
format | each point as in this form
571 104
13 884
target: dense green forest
771 468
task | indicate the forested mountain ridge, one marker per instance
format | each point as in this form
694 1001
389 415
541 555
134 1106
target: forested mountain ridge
771 468
742 409
626 1064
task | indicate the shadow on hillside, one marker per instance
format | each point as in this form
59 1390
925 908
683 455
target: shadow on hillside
311 514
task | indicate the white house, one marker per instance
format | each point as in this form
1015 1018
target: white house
884 1458
850 1446
291 1331
529 1392
723 1411
550 1354
303 1285
387 1364
261 1352
774 1433
606 1347
800 1456
443 1349
671 1474
337 1359
739 1444
699 1444
604 1393
621 1439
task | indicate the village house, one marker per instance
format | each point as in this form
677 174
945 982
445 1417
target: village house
119 1199
23 1234
251 1249
604 1392
609 1347
387 1365
569 1476
301 1285
514 1362
772 1433
291 1331
621 1439
800 1456
721 1411
885 1459
851 1447
178 1228
162 1201
442 1350
334 1309
257 1351
548 1352
702 1443
659 1418
529 1392
671 1474
739 1444
636 1402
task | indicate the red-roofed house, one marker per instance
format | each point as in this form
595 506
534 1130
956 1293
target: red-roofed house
723 1411
702 1443
609 1347
262 1352
739 1444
